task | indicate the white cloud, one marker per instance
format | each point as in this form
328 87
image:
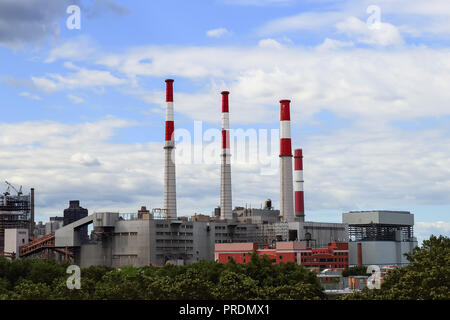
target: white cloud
75 49
258 2
75 99
439 225
423 230
217 33
312 21
83 78
382 34
85 159
331 44
30 96
269 43
359 83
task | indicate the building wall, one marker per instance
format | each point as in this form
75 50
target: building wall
130 243
378 217
335 256
159 241
381 252
14 238
320 233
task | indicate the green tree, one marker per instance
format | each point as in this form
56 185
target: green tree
426 277
300 291
121 284
354 271
27 290
235 286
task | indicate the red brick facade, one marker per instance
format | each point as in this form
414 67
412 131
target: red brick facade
333 257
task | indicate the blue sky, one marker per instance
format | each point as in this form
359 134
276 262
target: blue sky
83 110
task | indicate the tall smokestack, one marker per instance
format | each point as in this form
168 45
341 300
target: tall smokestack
286 183
298 185
170 197
225 176
31 232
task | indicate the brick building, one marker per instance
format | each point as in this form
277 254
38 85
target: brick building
335 256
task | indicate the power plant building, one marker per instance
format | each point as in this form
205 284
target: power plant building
380 237
147 238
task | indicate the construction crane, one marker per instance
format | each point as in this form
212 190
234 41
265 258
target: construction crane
19 192
6 193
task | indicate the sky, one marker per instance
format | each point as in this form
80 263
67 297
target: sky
83 110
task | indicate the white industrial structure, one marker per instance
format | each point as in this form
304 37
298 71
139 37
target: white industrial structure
286 180
298 185
170 197
148 239
380 237
225 174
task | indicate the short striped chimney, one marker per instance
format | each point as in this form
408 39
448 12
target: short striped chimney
286 182
170 197
298 185
225 174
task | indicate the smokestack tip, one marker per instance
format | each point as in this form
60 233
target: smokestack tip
298 153
170 80
225 92
285 101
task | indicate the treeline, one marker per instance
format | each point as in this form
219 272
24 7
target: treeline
427 277
28 279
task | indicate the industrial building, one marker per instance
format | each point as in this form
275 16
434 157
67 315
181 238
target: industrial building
75 213
16 212
160 236
380 237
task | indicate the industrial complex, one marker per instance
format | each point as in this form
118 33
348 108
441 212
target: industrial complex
159 236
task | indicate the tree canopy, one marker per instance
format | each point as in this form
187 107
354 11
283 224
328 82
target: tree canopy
204 280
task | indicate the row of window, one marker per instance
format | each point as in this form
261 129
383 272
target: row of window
159 233
125 233
323 260
218 234
174 248
174 241
165 225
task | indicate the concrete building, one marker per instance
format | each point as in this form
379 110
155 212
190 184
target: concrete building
75 213
266 215
54 224
380 237
118 241
16 212
39 230
14 238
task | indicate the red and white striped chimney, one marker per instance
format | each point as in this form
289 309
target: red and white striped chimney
225 176
170 197
286 182
298 185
